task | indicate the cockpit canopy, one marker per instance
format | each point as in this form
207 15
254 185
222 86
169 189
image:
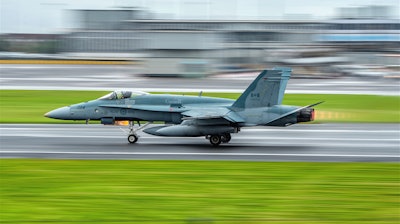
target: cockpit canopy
122 95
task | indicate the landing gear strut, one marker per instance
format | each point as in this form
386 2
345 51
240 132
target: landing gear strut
133 137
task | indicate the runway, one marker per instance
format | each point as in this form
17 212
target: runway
304 142
113 77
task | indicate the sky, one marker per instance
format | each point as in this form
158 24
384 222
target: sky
55 16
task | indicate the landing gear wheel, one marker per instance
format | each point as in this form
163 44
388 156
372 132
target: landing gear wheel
226 138
132 138
215 140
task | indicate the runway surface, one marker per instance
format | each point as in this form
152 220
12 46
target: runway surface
113 77
308 142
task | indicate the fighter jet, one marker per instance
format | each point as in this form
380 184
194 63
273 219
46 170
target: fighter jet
193 116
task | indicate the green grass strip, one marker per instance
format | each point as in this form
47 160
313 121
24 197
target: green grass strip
84 191
29 106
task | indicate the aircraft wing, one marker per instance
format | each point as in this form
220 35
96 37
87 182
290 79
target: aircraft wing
284 116
212 113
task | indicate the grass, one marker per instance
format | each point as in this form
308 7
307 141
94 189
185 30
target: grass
79 191
29 106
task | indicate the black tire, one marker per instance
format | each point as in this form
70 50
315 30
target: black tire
226 138
132 139
215 140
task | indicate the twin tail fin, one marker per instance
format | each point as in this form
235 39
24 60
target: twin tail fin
266 90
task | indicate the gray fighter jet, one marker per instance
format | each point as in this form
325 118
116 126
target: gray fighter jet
192 116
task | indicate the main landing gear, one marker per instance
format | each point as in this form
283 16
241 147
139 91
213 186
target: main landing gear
133 136
216 140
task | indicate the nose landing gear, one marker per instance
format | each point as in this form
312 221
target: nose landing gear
133 137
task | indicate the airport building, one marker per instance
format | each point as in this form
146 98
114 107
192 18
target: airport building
201 47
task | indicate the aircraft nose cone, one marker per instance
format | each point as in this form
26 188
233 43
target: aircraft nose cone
60 113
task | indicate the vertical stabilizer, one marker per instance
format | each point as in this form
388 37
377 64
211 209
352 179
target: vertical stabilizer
266 90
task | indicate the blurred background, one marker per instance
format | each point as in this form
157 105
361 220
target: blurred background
197 38
349 47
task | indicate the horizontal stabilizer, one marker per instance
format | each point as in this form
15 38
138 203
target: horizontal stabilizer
276 120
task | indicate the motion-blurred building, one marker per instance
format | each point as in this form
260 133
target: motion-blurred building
199 47
34 43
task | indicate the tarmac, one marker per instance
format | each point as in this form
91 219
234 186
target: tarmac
303 142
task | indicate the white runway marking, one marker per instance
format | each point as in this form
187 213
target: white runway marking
179 89
73 79
196 154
